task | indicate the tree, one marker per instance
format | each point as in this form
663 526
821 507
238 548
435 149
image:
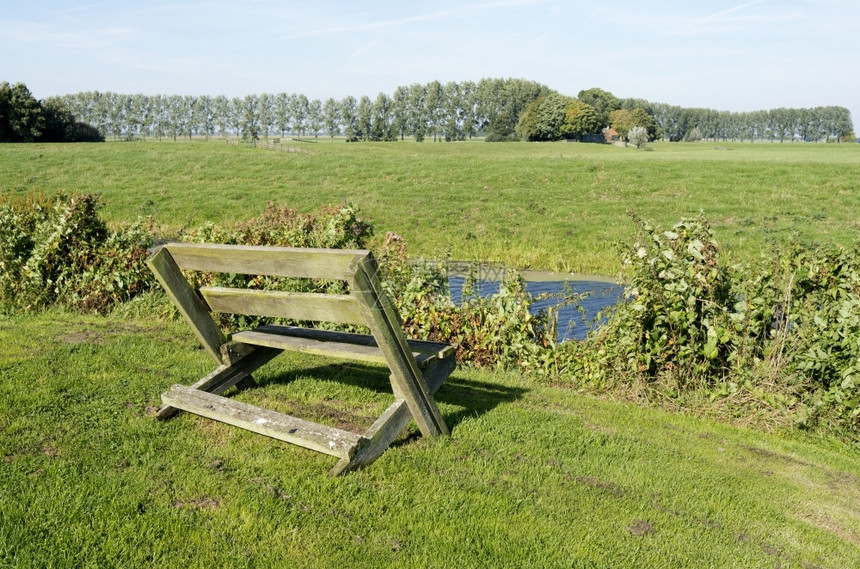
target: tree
603 102
381 127
282 113
221 113
621 120
640 117
266 112
433 101
543 119
301 112
579 119
364 118
315 117
638 136
61 126
417 115
400 111
330 117
347 113
250 122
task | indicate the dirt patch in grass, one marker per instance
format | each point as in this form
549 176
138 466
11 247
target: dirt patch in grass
198 504
774 455
641 528
828 524
83 337
593 482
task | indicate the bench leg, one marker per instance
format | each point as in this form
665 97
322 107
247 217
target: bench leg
381 434
226 376
389 426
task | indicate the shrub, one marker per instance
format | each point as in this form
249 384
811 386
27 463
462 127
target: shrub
638 136
58 251
780 334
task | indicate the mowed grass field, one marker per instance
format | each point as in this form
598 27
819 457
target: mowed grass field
533 475
556 206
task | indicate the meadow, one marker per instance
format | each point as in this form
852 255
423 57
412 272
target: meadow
554 206
533 475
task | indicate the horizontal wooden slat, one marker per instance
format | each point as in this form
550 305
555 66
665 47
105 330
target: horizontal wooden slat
335 344
321 438
439 349
341 308
274 261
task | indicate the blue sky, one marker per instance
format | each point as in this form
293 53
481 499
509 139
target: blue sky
726 55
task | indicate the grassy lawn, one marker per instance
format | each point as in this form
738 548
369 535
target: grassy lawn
557 206
532 476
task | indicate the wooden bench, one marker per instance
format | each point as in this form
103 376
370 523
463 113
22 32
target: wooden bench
417 367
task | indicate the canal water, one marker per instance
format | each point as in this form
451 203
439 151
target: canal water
595 293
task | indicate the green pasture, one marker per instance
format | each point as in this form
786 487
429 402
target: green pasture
532 476
558 206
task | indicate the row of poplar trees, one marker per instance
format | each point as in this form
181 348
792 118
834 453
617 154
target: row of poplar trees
498 109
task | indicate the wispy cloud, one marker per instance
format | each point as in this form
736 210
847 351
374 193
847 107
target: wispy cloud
718 15
380 24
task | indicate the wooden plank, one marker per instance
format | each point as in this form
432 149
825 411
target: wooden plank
322 343
340 308
382 318
439 349
328 440
381 434
193 310
258 260
391 423
226 376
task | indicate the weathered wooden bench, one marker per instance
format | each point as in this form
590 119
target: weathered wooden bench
417 367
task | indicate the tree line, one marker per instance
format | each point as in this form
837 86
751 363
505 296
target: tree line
555 116
497 109
24 119
450 111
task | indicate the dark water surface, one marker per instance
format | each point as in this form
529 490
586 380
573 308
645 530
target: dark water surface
571 323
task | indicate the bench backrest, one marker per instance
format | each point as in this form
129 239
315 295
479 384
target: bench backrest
330 264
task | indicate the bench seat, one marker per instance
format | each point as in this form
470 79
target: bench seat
358 347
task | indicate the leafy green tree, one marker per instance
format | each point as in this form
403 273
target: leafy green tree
266 113
221 112
543 119
579 119
301 114
418 111
364 118
621 120
330 117
433 104
381 120
315 117
349 118
61 125
400 111
603 102
281 113
250 122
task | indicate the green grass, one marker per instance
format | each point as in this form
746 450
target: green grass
554 206
532 476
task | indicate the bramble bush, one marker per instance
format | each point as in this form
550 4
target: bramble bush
56 250
782 333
